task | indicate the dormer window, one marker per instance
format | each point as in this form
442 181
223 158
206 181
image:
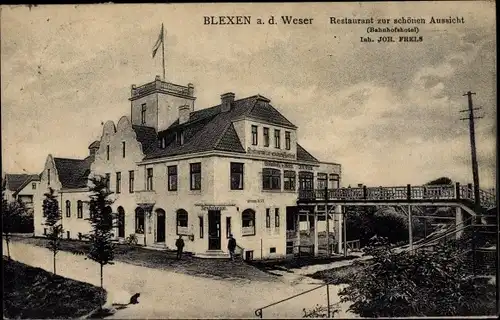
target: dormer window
162 142
180 138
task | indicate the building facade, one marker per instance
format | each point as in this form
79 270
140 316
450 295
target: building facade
235 168
22 187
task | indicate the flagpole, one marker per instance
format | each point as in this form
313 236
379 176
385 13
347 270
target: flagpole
163 49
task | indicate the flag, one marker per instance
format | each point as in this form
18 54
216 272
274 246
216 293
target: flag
158 42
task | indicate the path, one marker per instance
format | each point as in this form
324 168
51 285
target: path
165 294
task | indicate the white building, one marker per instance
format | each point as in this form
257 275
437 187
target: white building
23 187
233 168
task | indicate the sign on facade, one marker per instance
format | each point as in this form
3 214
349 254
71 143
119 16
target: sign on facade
275 154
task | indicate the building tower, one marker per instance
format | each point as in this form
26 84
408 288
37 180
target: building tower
156 104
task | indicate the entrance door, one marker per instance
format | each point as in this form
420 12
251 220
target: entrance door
160 226
121 222
214 240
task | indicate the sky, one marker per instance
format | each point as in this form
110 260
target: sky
389 113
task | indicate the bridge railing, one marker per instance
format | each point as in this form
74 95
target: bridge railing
408 192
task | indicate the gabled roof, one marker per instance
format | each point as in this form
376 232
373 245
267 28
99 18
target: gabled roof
16 182
210 129
147 137
230 141
264 111
303 155
73 173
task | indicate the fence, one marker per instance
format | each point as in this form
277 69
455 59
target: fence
353 245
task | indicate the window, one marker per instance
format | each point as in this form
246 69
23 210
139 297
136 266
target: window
68 235
107 152
266 137
139 220
322 180
289 180
255 139
182 221
287 140
228 227
48 177
248 222
272 250
236 176
306 180
277 139
334 181
180 138
131 181
201 227
123 149
268 218
68 209
143 113
33 186
108 180
80 236
172 178
271 179
276 217
195 169
118 182
162 142
149 180
79 209
44 231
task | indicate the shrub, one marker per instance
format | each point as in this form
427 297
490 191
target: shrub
423 284
320 311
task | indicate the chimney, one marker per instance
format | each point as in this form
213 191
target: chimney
190 89
184 112
226 101
94 146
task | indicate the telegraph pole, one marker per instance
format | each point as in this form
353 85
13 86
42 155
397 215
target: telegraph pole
475 170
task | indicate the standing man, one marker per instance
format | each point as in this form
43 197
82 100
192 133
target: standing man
180 245
231 246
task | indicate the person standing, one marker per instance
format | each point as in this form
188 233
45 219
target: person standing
180 246
231 246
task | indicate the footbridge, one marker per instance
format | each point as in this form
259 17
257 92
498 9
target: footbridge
427 195
330 202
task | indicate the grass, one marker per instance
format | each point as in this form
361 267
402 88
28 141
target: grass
340 275
296 263
34 293
166 260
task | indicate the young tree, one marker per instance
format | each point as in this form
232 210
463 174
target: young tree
101 219
52 220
